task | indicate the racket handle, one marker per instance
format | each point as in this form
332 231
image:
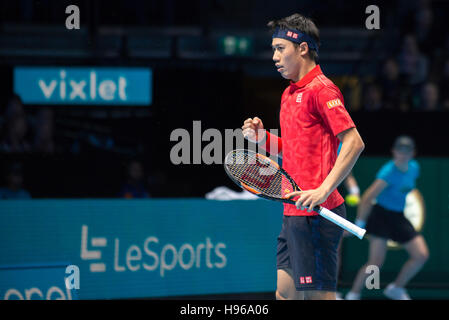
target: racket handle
342 222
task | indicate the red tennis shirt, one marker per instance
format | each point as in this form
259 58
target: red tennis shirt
312 114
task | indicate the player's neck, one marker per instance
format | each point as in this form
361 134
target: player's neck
305 69
403 167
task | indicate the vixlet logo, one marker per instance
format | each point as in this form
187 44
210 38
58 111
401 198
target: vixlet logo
83 85
106 88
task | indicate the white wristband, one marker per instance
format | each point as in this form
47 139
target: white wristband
354 190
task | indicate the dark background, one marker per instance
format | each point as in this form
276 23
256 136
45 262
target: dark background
193 80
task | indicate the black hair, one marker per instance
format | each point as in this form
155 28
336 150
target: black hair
404 141
299 22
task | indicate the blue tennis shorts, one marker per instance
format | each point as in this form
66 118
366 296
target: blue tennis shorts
308 246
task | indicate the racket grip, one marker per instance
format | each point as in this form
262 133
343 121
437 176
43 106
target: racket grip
342 222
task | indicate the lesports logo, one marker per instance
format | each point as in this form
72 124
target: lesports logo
334 103
152 255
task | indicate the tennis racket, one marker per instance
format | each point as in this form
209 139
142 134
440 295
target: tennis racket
263 177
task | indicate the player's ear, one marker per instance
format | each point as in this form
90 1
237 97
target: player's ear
303 48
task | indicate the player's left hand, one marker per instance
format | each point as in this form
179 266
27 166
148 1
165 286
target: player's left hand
308 198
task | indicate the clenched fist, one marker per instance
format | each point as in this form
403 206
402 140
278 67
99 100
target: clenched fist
253 130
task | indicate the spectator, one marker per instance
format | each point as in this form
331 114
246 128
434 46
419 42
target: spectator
394 91
412 64
426 34
444 86
14 181
134 186
14 107
429 98
373 97
15 138
44 140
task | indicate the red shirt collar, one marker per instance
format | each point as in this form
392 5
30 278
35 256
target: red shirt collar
306 79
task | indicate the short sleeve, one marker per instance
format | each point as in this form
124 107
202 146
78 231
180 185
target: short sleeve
330 106
385 173
417 169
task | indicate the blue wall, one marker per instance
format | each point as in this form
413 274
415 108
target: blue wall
138 248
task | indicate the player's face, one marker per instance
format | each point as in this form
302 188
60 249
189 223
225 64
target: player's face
403 156
286 58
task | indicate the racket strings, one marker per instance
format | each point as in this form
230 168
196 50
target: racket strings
257 172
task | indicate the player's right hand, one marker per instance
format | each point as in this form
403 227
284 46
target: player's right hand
253 129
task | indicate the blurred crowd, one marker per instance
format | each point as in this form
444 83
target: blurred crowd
29 133
415 77
13 187
136 183
22 132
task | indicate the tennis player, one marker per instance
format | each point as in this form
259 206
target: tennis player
385 220
313 121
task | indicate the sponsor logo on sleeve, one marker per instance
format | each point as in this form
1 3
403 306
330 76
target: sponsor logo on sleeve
334 103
